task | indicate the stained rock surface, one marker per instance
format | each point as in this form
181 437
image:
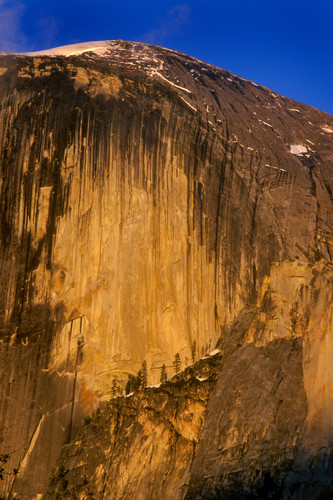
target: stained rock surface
150 201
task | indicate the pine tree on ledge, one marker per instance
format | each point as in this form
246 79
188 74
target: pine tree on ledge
177 363
164 374
143 375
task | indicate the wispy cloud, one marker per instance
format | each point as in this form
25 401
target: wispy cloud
170 26
12 37
47 31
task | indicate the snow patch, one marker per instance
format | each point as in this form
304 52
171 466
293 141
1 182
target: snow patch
294 109
153 386
128 395
298 149
275 168
327 129
99 48
215 351
153 72
265 123
136 53
201 379
195 109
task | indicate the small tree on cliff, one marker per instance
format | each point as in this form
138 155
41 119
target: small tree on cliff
3 460
132 384
194 350
137 381
113 388
143 374
128 386
116 389
4 457
177 363
164 374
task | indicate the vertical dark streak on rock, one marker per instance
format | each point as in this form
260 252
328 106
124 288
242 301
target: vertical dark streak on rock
80 345
253 295
218 221
21 299
189 235
231 250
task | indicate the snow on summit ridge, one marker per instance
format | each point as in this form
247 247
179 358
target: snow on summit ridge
187 75
150 57
99 48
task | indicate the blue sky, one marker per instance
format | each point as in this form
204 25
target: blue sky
286 45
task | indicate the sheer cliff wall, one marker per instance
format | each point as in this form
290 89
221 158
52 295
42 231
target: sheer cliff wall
147 200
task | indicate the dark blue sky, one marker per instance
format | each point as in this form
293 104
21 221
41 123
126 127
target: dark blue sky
286 45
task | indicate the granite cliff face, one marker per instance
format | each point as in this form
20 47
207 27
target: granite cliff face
149 201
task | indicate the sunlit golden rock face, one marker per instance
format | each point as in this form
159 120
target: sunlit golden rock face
149 201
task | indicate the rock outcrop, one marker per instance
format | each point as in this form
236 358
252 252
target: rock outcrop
150 202
140 446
